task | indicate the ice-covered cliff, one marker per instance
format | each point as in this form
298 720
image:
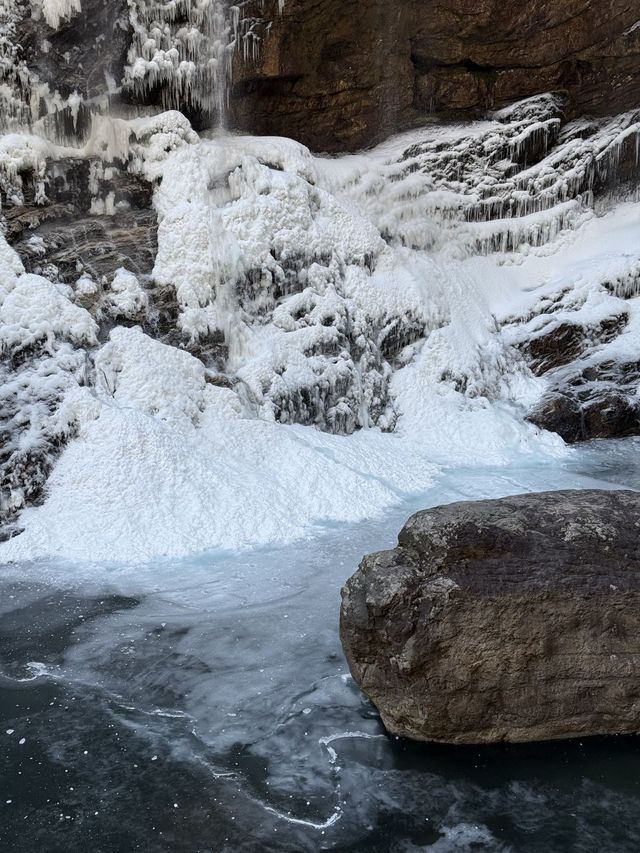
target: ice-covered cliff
216 340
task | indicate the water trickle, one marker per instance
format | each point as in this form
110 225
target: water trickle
182 53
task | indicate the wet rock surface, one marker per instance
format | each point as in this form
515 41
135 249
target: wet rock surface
94 246
567 341
603 412
504 620
338 75
589 395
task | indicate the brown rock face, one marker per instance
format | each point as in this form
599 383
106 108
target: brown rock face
340 74
608 413
506 620
337 74
595 398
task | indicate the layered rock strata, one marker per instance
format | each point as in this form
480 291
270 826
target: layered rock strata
337 75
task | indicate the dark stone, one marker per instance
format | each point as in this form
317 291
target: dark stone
558 347
22 218
584 402
565 342
338 75
94 245
561 413
613 415
606 412
67 182
74 241
506 620
212 350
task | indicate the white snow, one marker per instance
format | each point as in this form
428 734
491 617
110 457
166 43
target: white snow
126 298
132 486
166 463
10 267
139 373
35 309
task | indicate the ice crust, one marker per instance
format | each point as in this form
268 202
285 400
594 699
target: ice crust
373 327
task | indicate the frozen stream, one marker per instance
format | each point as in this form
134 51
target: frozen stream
203 704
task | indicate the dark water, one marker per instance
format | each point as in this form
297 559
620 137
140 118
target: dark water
204 705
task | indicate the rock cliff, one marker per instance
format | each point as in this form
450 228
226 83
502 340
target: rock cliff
333 75
337 75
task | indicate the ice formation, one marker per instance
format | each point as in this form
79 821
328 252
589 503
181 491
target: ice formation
180 56
56 10
232 339
126 299
184 50
519 179
42 335
25 100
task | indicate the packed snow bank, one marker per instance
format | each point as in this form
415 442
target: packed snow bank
131 486
171 465
139 373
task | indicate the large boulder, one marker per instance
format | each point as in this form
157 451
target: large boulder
503 620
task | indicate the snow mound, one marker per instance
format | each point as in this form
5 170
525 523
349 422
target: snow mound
36 310
137 372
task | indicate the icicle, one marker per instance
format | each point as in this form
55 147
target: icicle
74 102
190 61
57 10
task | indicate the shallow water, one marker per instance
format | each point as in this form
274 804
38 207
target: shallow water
205 705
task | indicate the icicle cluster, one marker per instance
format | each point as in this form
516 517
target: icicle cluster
27 103
518 179
57 10
16 81
183 51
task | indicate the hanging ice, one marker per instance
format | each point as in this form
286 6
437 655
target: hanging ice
57 10
183 52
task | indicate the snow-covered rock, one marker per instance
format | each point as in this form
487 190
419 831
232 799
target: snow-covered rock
417 301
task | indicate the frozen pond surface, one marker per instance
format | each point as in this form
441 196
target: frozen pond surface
204 705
